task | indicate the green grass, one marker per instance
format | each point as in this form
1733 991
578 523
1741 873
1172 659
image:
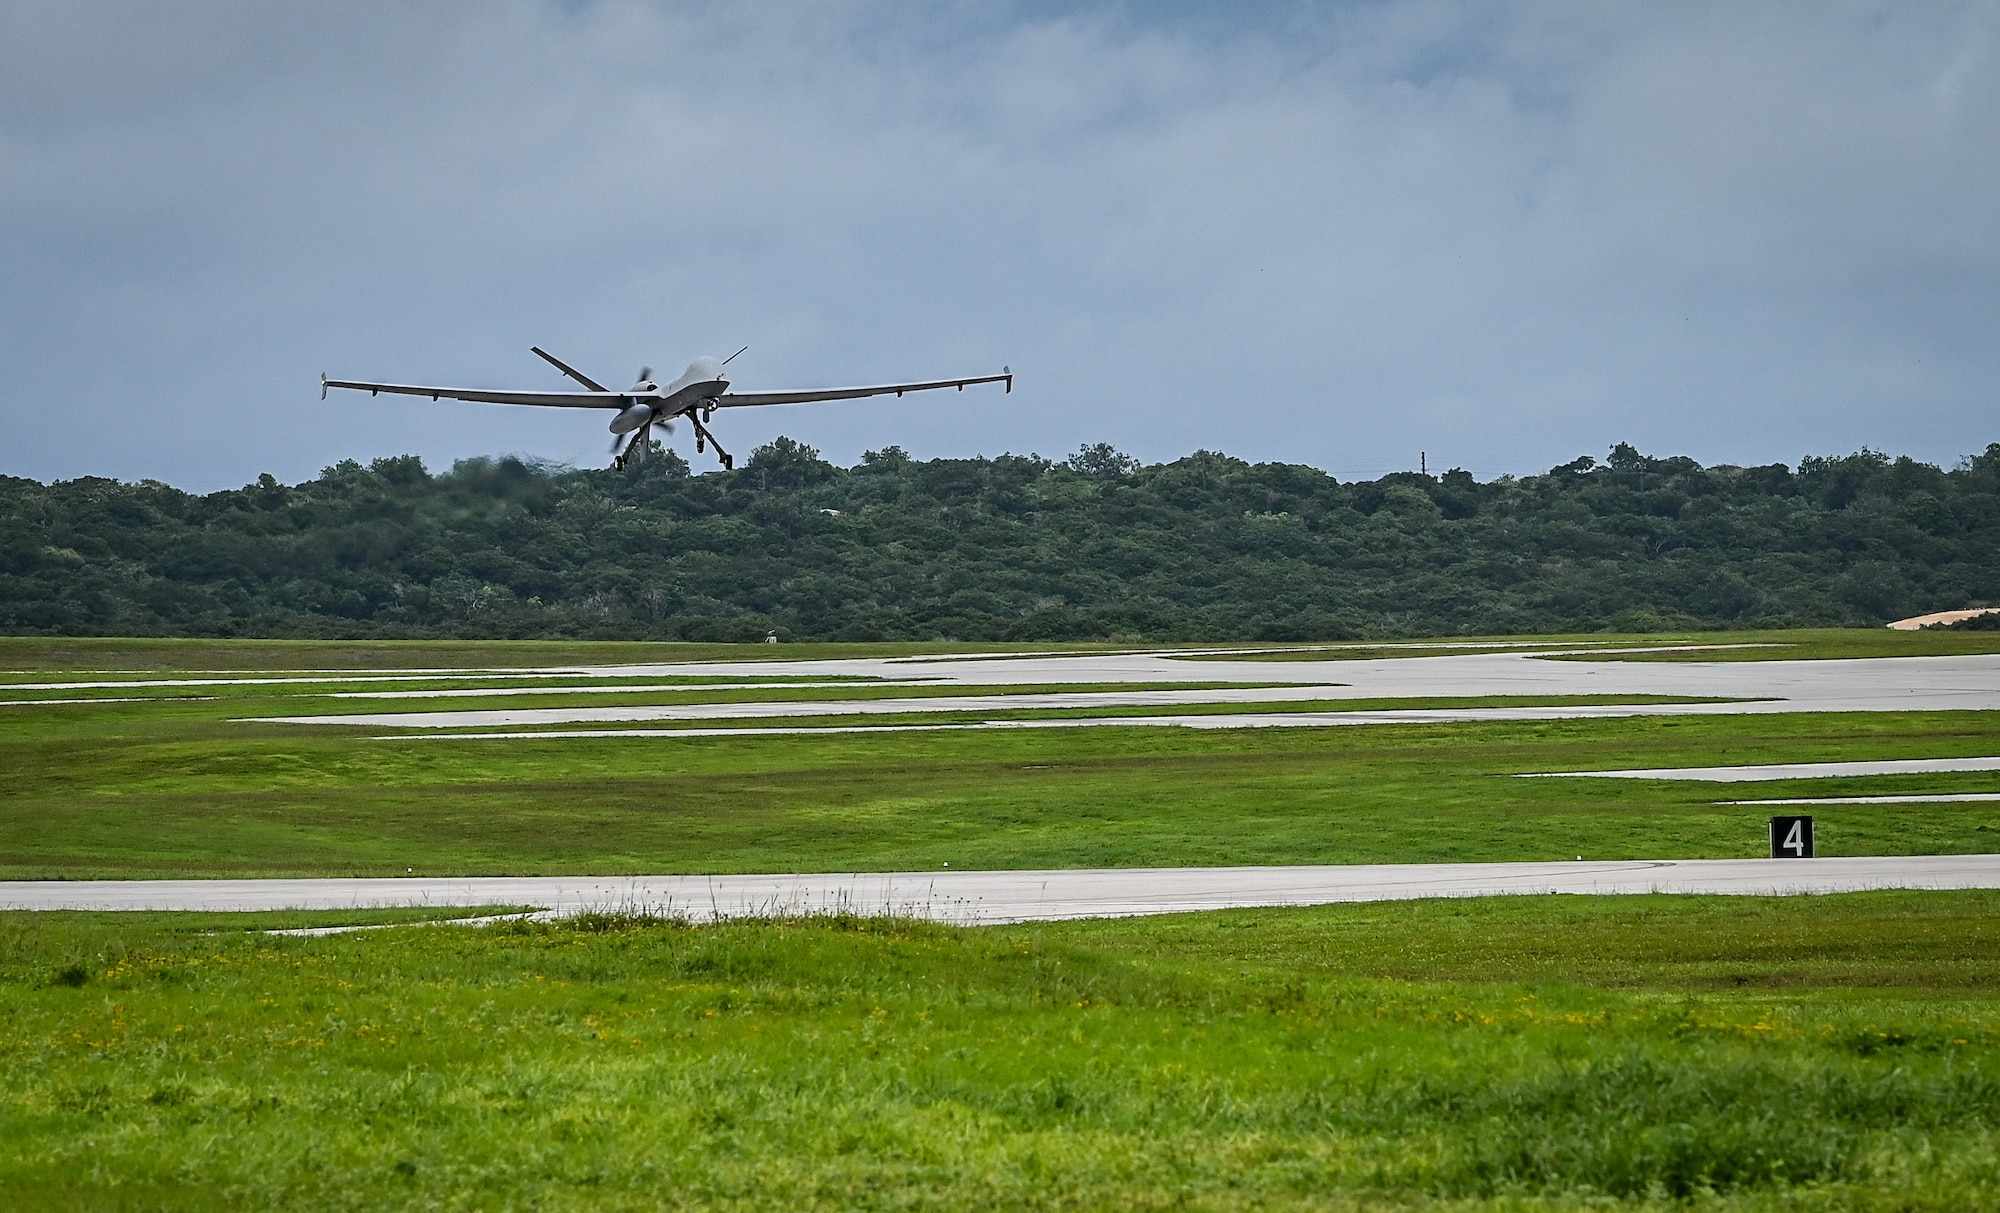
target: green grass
123 790
1501 1054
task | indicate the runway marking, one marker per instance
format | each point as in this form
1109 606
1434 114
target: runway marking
291 679
976 897
1787 770
481 920
1234 720
767 708
43 703
1920 798
309 678
941 705
617 689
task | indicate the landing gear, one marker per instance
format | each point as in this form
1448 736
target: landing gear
634 448
703 439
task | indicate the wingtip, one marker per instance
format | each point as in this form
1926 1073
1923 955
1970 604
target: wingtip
322 385
1009 372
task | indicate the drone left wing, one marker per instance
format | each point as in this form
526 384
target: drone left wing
743 399
567 400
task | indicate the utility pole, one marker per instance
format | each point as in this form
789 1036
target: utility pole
1423 463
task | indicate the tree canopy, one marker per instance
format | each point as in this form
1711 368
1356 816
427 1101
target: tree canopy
1207 547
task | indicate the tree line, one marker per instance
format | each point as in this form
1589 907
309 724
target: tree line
1207 547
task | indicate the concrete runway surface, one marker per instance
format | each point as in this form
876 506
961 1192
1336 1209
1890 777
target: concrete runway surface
1787 770
1915 798
1021 896
1879 684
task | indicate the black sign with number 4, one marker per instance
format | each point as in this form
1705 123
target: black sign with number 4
1791 838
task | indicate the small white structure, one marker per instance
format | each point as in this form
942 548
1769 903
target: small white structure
1923 621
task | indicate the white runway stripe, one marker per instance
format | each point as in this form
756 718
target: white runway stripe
765 708
614 689
43 703
1788 770
1233 720
1020 896
1931 798
1921 684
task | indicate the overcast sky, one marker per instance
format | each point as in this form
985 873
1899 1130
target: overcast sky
1501 233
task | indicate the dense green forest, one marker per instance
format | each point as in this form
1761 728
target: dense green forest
1017 547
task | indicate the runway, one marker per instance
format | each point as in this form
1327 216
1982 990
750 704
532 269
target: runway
1787 770
987 897
1915 798
1883 684
1233 720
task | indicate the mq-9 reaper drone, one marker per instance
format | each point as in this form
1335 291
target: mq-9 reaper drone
701 389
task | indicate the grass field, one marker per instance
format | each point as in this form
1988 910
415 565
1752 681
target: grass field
170 783
1526 1053
118 796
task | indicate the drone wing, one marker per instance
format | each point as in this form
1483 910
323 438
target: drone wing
742 399
567 400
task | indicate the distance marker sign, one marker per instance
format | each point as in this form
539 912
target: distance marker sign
1791 838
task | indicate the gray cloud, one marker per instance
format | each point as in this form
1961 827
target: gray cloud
1501 233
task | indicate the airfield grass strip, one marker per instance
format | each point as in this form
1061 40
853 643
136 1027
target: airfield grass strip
133 795
1510 1053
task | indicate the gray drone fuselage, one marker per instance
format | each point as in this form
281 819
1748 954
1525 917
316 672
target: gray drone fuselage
702 381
